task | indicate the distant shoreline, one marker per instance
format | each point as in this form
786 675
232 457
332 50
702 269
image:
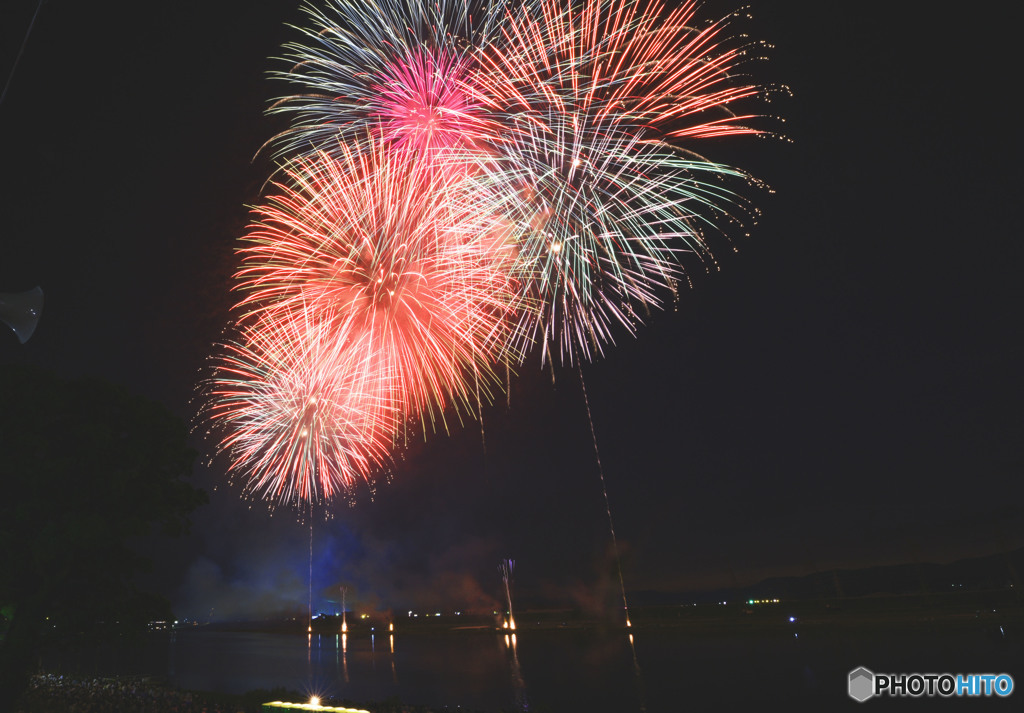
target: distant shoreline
752 615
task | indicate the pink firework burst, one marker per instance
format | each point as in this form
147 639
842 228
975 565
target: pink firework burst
390 69
422 104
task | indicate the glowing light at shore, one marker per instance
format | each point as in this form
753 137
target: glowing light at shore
310 706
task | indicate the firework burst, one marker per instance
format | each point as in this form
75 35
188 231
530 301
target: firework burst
395 68
401 263
599 102
300 420
601 221
461 182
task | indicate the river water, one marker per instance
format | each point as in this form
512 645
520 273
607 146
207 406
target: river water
573 669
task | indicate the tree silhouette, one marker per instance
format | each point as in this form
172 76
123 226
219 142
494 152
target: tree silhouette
86 469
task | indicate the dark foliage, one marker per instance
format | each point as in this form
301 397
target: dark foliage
86 470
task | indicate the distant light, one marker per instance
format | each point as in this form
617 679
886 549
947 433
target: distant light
792 619
314 700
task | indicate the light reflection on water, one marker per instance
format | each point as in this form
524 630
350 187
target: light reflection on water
475 670
598 670
518 684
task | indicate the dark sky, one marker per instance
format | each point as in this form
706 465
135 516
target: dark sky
845 391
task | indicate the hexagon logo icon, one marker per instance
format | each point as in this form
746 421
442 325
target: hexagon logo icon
862 684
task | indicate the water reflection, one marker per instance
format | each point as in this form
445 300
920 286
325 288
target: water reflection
568 668
518 683
394 674
344 657
637 678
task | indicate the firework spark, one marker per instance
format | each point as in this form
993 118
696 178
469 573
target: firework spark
601 221
596 101
393 67
463 181
506 567
402 264
299 420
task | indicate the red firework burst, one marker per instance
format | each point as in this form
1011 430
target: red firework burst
400 262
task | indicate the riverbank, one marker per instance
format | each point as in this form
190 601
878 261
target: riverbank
49 693
728 655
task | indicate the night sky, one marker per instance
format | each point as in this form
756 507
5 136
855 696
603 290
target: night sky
845 391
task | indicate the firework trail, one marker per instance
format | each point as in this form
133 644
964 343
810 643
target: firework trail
506 567
602 103
607 502
344 622
518 684
395 67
